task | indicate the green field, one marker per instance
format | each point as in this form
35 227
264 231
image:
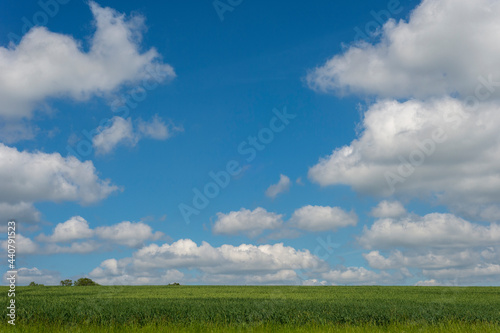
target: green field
254 309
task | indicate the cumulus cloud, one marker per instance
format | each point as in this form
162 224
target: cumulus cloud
114 275
21 212
75 228
41 276
125 132
24 245
443 248
30 177
320 218
250 223
120 131
431 259
282 186
80 238
17 130
390 209
308 218
428 283
128 233
50 65
262 263
356 276
479 274
156 128
439 149
441 50
432 230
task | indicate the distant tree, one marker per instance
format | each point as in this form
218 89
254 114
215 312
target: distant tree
66 283
85 282
33 284
174 284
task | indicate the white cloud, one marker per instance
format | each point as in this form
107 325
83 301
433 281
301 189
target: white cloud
314 282
30 177
307 218
77 229
50 65
123 131
17 130
22 212
320 218
438 149
128 233
120 131
481 273
431 259
24 245
73 229
156 128
27 275
432 230
282 186
356 276
250 223
442 49
168 276
390 209
428 283
442 247
227 263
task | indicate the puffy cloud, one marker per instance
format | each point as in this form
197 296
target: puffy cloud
281 277
75 228
428 283
128 233
29 177
432 230
21 212
479 274
40 276
320 218
123 131
314 282
251 223
120 131
441 50
431 259
250 263
356 276
282 186
24 245
47 64
17 130
156 128
442 247
390 209
307 218
168 276
439 149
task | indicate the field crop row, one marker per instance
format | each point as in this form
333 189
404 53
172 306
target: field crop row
251 308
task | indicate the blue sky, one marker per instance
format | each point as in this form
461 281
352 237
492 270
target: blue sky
384 171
